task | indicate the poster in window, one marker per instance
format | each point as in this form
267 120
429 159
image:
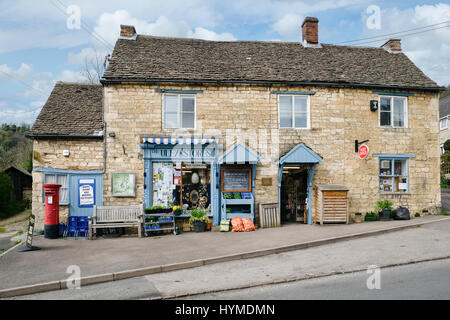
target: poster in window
86 193
123 184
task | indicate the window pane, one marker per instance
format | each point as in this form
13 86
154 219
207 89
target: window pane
285 112
188 120
385 104
63 195
170 103
385 167
399 112
301 120
50 178
385 118
188 104
63 181
301 104
171 120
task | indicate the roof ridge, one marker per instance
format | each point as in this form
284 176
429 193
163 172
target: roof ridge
77 83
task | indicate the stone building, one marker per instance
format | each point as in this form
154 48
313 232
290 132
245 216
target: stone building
192 123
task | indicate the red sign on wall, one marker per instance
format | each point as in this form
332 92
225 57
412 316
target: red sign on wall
363 152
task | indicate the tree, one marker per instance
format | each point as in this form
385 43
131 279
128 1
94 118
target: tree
94 67
6 187
447 145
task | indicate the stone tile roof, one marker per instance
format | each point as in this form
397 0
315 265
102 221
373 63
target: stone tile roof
444 107
160 58
72 110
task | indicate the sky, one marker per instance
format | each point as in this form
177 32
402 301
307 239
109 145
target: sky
45 41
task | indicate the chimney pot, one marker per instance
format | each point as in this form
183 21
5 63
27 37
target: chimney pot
310 30
127 31
393 46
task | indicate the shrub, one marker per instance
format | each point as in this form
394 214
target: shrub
383 205
371 216
198 215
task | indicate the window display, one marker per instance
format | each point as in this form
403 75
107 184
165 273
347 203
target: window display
183 185
393 175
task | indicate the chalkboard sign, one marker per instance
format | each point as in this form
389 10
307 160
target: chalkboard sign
29 243
236 180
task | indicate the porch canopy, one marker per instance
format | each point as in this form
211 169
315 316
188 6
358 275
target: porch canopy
301 154
239 153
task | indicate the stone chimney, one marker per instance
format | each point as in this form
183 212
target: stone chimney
310 30
393 46
127 32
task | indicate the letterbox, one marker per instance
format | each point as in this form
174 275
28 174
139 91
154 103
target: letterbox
51 227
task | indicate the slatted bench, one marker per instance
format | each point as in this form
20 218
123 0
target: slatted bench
116 217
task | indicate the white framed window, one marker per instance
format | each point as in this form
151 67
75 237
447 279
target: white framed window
393 112
63 180
294 111
443 123
179 111
394 175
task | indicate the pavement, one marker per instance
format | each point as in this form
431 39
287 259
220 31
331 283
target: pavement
271 276
106 260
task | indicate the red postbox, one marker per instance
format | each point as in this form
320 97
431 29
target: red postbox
51 227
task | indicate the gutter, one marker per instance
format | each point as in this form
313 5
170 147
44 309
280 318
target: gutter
302 83
60 136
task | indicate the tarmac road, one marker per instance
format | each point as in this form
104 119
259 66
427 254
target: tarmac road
425 281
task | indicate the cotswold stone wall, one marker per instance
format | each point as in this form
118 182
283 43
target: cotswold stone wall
250 114
84 155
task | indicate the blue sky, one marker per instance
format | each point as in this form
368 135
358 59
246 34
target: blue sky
37 48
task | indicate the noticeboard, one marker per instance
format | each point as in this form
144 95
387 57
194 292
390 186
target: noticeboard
86 193
236 180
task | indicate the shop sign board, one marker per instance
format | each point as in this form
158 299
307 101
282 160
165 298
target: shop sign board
363 152
179 152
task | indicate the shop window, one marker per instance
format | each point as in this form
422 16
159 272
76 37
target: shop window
443 124
184 185
294 112
393 112
394 176
63 180
179 111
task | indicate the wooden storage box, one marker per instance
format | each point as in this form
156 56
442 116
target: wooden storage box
331 204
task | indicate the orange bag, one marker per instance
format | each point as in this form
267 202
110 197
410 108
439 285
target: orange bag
237 225
248 225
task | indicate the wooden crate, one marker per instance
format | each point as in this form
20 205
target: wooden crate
331 204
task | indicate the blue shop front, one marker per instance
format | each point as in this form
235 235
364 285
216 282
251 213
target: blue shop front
195 174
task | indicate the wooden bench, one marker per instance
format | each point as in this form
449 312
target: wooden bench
116 217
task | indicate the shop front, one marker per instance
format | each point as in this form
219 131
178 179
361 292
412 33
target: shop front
182 172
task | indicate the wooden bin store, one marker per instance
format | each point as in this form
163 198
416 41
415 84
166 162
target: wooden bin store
331 204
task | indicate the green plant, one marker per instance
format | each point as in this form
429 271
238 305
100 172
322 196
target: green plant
198 215
383 205
417 215
445 214
2 230
371 216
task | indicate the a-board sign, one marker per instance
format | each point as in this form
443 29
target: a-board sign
29 242
236 180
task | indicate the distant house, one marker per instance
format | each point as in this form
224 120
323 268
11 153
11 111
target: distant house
444 115
22 181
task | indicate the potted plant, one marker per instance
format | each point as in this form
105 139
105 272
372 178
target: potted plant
371 216
177 211
199 219
358 217
384 208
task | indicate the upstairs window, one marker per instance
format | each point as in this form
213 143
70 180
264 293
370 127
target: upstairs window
443 123
294 112
393 112
179 111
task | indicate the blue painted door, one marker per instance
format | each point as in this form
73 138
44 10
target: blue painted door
85 192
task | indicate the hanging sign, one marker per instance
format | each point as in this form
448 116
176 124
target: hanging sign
86 193
363 152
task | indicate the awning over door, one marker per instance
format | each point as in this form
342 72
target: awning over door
301 154
239 153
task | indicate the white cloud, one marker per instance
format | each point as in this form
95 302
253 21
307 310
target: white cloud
23 73
18 116
289 25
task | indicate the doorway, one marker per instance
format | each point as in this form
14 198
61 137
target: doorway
294 194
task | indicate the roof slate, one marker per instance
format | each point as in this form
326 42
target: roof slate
73 109
178 59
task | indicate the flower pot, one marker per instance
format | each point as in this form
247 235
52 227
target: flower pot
199 226
358 218
385 215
